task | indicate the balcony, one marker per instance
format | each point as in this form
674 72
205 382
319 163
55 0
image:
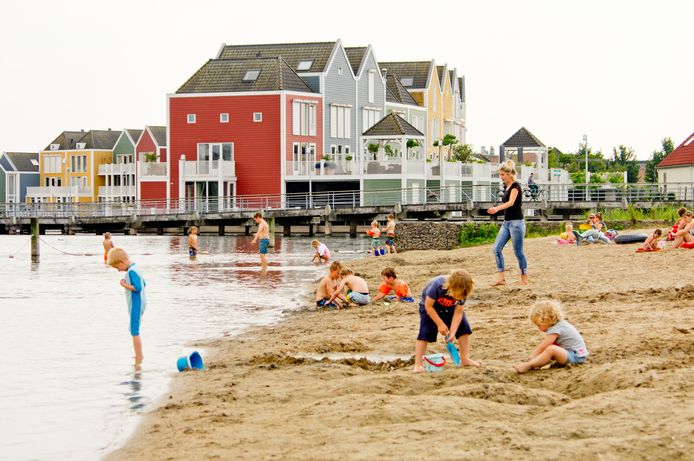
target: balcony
59 191
108 192
209 169
108 169
148 169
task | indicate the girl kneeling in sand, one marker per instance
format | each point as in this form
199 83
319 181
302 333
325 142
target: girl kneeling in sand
684 234
441 311
563 343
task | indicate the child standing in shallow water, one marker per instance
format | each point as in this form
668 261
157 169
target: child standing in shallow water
134 285
441 311
193 242
563 343
108 244
375 233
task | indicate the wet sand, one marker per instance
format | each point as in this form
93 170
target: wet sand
270 394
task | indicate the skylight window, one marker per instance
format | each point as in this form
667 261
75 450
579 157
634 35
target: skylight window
407 81
304 65
34 162
251 76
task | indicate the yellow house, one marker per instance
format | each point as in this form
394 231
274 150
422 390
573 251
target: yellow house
69 167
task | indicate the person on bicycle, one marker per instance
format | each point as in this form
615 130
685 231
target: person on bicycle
532 186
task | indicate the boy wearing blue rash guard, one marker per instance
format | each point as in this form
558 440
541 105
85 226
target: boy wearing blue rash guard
134 285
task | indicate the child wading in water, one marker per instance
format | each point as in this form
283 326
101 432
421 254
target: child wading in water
134 285
357 289
441 311
390 234
375 233
391 282
322 253
563 343
108 244
193 242
263 235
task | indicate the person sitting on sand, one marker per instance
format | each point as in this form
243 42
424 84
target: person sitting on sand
678 225
328 286
375 233
441 310
562 344
594 234
322 253
568 235
391 282
108 244
684 234
357 289
651 243
193 242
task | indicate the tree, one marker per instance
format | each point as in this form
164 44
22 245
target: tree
411 144
624 159
449 140
656 157
462 153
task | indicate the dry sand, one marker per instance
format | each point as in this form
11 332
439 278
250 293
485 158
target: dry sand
269 395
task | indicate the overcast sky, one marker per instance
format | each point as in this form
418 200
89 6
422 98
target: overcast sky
620 71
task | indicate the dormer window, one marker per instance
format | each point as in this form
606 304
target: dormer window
304 65
81 145
251 76
407 81
55 146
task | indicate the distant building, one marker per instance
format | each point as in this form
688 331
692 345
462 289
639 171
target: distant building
18 171
523 147
676 171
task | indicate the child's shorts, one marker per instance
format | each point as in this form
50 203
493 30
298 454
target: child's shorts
192 252
428 331
264 244
324 303
359 298
390 240
575 359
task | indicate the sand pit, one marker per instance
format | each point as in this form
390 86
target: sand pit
278 393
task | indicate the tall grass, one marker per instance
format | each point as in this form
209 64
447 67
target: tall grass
472 235
639 214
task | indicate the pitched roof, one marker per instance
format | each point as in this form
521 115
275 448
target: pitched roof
292 53
227 76
393 125
461 87
523 138
22 161
134 134
159 133
66 140
418 71
396 92
100 139
682 155
441 70
355 55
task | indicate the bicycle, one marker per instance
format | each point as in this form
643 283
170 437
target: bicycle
534 194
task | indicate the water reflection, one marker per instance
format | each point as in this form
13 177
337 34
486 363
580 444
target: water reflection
134 392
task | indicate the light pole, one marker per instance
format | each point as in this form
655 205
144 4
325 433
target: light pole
585 142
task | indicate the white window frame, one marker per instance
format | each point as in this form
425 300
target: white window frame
369 118
191 119
340 121
339 70
224 117
296 156
371 86
51 163
301 66
257 117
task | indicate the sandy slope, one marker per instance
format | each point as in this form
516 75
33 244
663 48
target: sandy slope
268 395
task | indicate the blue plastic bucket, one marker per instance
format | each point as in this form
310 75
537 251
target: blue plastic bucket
433 363
192 361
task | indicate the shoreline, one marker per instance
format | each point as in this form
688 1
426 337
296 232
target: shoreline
269 393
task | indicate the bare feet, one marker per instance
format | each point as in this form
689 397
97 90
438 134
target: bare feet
498 283
469 363
523 280
521 368
418 369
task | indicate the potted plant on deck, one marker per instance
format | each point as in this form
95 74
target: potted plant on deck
328 164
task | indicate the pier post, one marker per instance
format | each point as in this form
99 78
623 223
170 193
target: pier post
160 230
221 230
34 240
310 229
271 225
353 228
286 229
328 230
247 230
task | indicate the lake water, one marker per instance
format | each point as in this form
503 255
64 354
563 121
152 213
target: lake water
70 390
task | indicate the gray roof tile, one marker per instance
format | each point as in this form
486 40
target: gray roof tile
523 138
292 53
392 125
134 134
22 161
418 71
226 76
66 140
397 91
355 55
159 133
440 71
100 139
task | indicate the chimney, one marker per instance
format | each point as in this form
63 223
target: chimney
109 129
384 71
82 130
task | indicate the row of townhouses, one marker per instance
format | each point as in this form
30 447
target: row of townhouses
276 119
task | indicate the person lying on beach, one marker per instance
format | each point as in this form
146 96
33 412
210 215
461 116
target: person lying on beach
328 286
391 282
684 234
441 310
322 253
562 344
357 289
651 243
108 244
678 225
134 285
568 235
193 242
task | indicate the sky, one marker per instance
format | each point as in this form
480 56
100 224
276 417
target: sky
618 71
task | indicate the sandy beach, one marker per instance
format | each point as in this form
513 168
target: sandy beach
302 389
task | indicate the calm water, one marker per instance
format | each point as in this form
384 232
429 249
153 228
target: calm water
69 389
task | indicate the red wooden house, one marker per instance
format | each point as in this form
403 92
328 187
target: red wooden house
237 127
152 170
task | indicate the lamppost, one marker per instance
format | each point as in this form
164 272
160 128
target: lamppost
585 142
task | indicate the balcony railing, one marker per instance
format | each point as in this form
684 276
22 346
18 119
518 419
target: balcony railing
59 191
153 169
117 191
116 169
209 168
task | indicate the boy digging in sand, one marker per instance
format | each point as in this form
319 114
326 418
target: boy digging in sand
441 311
328 286
357 289
108 244
134 285
391 282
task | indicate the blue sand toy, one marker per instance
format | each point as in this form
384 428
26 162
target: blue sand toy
453 352
433 363
191 362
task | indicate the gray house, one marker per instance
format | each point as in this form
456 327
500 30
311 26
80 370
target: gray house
18 170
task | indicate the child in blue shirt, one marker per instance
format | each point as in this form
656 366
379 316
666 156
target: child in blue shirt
441 311
562 344
134 285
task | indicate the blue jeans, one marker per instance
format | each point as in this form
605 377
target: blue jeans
515 231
